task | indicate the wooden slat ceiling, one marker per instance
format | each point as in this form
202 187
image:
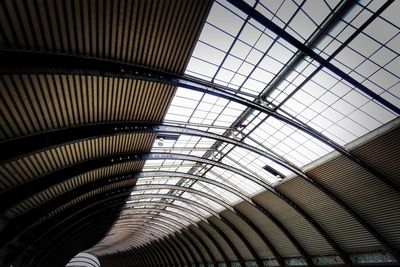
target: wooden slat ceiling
156 34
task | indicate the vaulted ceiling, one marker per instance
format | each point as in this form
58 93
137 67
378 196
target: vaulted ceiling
185 132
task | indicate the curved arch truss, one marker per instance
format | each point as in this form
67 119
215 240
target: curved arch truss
155 133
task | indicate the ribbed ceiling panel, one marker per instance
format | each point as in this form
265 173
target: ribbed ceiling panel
158 34
208 243
73 183
224 245
372 199
275 235
34 103
376 154
115 187
36 165
335 220
306 235
249 234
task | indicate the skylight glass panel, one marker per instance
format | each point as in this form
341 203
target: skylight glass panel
288 142
204 201
216 191
198 210
353 120
183 213
240 53
239 182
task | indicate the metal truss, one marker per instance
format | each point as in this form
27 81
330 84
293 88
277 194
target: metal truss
96 130
256 15
20 62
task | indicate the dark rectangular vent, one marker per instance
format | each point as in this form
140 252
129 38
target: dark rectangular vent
168 136
273 172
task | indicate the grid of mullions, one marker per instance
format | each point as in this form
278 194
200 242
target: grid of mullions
238 52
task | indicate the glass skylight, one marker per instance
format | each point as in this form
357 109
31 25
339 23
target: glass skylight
239 53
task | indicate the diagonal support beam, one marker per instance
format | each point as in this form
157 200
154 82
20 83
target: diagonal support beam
259 17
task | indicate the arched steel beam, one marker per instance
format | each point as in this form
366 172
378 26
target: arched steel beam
150 259
151 233
306 257
192 232
181 230
133 261
176 198
173 213
172 236
229 242
16 225
215 183
179 216
191 202
66 173
167 257
20 192
75 239
164 227
240 214
148 262
147 209
29 217
175 218
173 252
162 262
53 225
202 229
161 203
78 233
181 250
153 255
12 193
110 219
171 224
31 62
220 202
192 240
157 156
214 227
159 218
207 248
137 259
163 259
